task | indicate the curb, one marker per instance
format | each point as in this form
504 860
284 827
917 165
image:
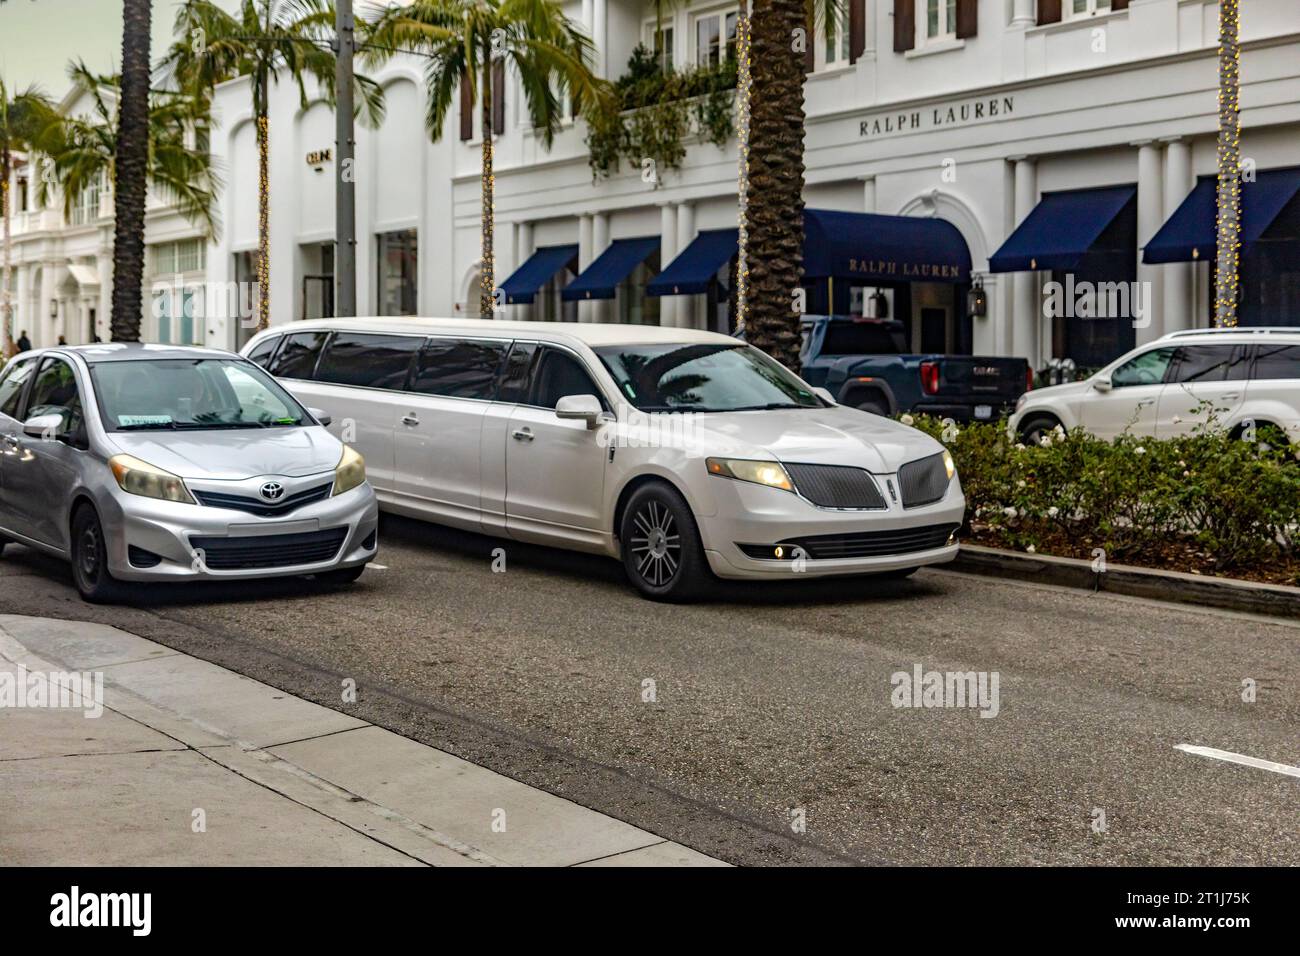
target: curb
1276 600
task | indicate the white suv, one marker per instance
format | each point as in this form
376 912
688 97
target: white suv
684 453
1249 376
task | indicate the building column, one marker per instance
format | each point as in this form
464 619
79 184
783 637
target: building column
868 193
44 333
687 305
1027 313
1151 207
669 307
524 249
584 260
1022 13
601 309
599 17
1178 276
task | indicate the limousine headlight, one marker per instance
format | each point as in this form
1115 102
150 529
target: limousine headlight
351 471
768 473
138 477
949 464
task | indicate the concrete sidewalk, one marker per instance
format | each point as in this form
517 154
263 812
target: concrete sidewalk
193 764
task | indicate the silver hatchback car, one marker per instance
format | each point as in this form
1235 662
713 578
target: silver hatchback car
164 463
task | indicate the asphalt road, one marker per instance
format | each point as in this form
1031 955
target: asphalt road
772 704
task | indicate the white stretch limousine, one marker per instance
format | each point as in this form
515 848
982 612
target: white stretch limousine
680 452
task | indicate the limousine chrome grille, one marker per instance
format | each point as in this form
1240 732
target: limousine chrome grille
924 481
269 550
836 486
265 509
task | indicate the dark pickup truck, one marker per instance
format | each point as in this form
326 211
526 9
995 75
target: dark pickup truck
865 363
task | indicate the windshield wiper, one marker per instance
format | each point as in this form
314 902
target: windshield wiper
770 406
204 426
146 426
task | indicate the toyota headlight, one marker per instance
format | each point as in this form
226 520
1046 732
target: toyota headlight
138 477
949 465
351 471
768 473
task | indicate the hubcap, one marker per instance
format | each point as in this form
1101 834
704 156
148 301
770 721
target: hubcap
656 545
89 557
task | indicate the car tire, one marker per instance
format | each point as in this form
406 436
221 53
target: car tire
662 554
90 559
340 577
1034 428
875 406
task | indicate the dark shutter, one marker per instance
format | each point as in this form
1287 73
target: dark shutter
968 19
1049 11
499 97
905 25
1119 4
466 111
810 46
857 29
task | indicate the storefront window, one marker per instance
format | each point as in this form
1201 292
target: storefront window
634 306
397 272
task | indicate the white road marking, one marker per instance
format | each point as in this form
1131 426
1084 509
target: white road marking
1230 757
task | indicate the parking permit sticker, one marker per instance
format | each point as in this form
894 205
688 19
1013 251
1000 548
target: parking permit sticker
123 420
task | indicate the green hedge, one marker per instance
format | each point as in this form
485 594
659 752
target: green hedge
1204 500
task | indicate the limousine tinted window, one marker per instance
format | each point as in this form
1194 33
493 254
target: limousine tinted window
458 368
368 361
265 349
1277 361
517 373
559 374
297 359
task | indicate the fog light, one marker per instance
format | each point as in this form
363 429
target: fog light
779 552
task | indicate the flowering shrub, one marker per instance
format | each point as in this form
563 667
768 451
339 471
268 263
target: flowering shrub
1206 500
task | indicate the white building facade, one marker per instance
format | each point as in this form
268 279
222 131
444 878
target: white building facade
982 115
62 265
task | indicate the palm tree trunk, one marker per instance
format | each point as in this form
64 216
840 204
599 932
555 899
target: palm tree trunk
130 172
263 223
1228 266
487 278
6 300
774 210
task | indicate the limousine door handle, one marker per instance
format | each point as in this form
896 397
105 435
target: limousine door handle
523 434
410 419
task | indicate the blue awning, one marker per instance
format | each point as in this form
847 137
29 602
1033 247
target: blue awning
1062 229
601 278
1190 233
858 245
540 268
698 263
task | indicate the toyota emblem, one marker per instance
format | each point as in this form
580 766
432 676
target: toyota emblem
272 491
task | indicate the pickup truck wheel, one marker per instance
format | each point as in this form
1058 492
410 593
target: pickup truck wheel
875 406
1033 431
662 554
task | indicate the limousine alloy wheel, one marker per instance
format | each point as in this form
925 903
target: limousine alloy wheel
661 545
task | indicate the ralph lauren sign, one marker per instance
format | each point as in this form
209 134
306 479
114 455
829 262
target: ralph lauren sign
937 117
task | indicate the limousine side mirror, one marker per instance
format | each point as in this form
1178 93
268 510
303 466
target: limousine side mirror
1101 383
320 415
584 407
44 426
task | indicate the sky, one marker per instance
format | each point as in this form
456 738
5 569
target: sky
39 37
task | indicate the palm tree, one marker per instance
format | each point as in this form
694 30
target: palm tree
25 119
87 150
264 40
463 39
774 209
1228 266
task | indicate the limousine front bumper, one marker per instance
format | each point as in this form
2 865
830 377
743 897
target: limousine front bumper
152 540
759 532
